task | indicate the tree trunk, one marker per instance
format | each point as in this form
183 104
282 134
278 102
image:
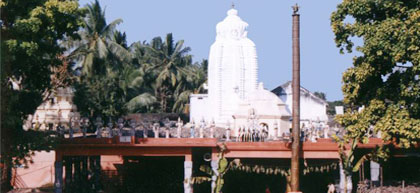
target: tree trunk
6 177
5 93
163 98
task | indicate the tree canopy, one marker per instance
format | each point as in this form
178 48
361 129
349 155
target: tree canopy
47 44
382 88
31 33
115 79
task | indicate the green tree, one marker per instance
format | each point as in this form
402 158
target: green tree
116 79
169 73
98 42
168 60
320 95
384 79
191 82
110 84
30 35
332 105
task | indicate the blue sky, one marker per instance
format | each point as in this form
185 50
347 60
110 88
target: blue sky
270 27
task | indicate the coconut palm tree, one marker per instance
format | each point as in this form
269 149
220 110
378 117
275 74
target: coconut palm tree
144 77
109 84
96 42
139 95
168 59
192 82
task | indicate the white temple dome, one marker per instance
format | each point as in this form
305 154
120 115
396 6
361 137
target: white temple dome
232 27
264 102
262 94
232 12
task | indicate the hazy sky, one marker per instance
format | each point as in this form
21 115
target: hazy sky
270 27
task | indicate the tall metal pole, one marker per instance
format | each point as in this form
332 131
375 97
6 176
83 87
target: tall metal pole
296 102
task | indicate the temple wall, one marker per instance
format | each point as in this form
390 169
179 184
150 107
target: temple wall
199 108
311 109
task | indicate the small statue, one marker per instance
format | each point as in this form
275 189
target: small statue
313 136
212 125
248 135
179 127
120 124
133 125
145 132
203 124
109 128
156 130
264 134
192 130
228 134
166 133
84 122
257 135
245 135
254 135
99 125
240 134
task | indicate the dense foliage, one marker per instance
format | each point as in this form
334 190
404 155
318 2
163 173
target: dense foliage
382 88
47 44
116 79
320 95
30 51
332 105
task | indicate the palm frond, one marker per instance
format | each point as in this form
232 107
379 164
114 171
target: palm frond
109 29
142 100
119 51
101 48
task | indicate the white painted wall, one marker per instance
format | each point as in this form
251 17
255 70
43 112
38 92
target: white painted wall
199 108
312 108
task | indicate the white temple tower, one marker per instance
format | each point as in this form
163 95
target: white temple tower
233 67
235 98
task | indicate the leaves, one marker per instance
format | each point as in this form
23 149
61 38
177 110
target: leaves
223 165
206 169
381 89
142 100
116 79
383 79
174 76
30 55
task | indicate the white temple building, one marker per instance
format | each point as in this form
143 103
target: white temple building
58 109
235 99
312 108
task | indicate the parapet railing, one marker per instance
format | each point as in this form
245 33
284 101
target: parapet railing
125 129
